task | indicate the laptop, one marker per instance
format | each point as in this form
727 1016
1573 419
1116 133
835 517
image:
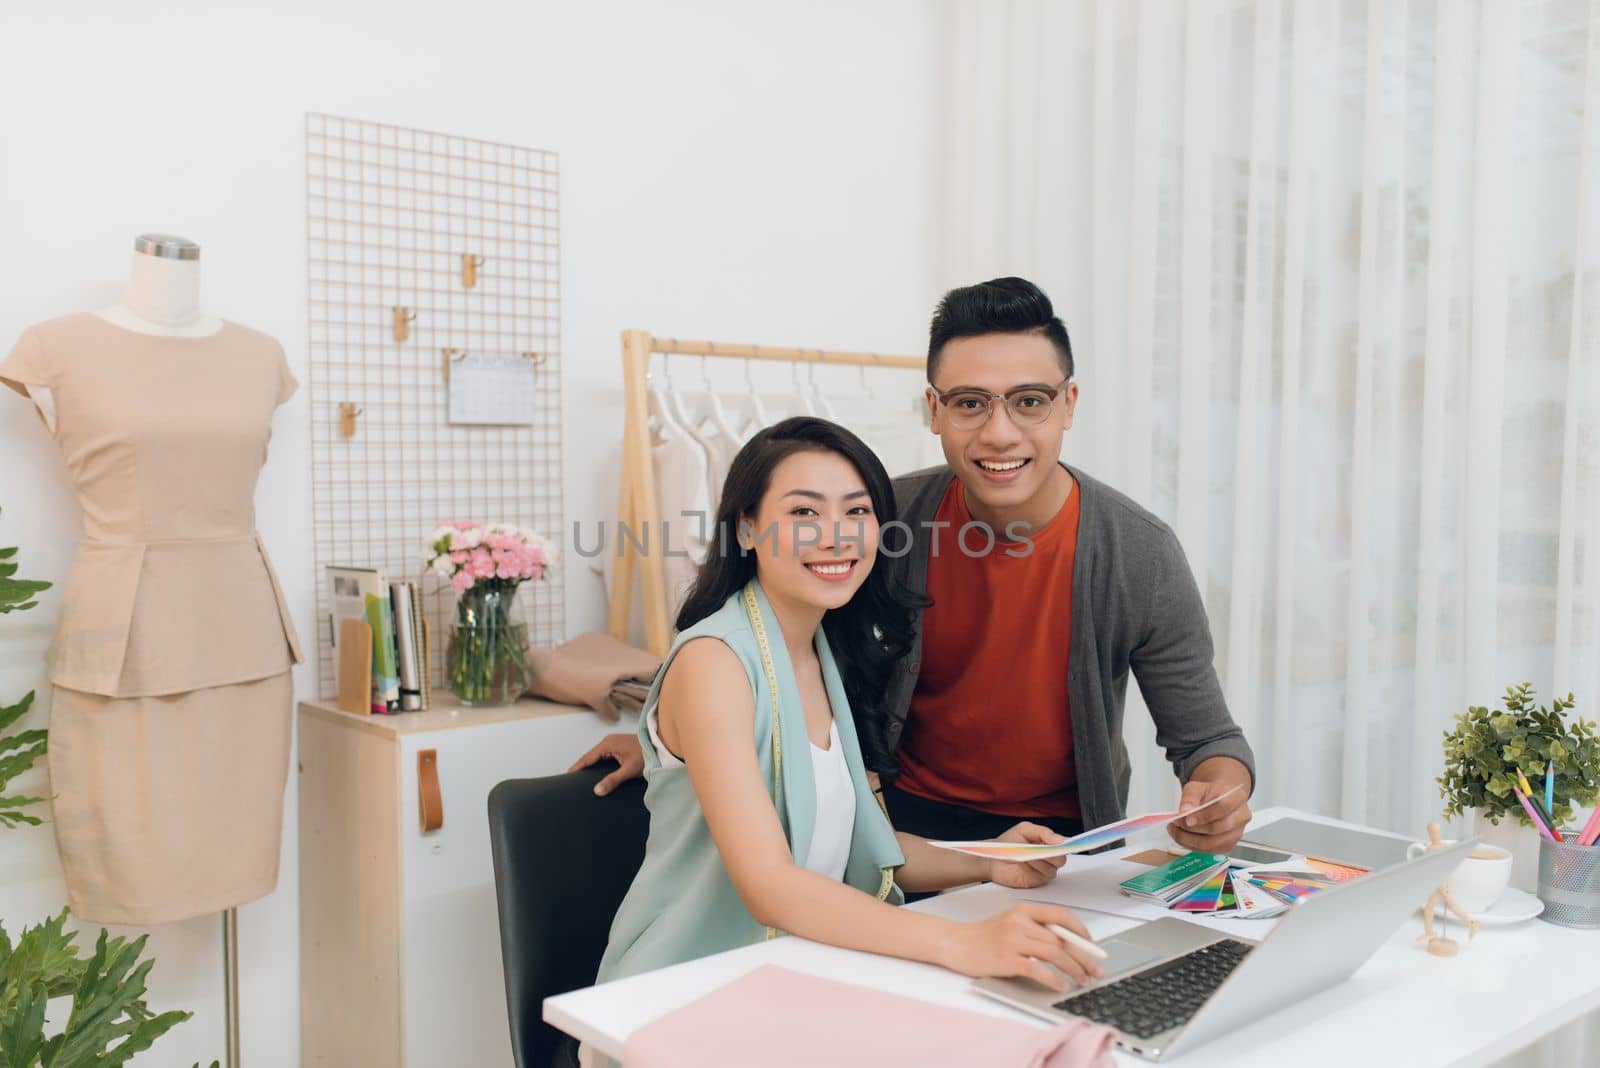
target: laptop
1343 845
1171 984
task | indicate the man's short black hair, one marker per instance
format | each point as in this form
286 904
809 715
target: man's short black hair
1000 306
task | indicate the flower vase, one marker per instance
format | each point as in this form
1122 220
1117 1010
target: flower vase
1516 838
487 656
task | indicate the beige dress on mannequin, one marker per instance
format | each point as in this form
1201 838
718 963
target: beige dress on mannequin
169 720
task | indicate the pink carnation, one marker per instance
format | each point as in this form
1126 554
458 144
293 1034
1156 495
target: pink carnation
461 582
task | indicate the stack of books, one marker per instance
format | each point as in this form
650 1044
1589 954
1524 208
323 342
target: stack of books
399 642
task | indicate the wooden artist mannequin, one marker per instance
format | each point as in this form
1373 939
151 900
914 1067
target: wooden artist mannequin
1439 945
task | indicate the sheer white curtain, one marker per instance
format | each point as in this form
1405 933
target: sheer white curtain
1332 270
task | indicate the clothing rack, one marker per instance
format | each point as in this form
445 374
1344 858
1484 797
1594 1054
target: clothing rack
638 508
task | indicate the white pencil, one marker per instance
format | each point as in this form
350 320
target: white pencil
1072 938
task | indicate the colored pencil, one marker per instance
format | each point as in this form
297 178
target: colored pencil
1538 824
1544 813
1590 829
1550 787
1072 938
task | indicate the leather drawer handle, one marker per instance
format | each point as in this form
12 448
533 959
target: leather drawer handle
428 799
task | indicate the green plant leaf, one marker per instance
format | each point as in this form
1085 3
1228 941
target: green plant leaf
9 714
20 739
109 1023
22 1029
16 594
44 956
19 751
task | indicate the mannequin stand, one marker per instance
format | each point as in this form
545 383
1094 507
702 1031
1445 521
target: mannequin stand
230 984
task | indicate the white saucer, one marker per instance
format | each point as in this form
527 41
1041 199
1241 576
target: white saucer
1514 906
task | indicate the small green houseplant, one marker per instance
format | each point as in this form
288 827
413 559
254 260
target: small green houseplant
1488 746
21 749
109 1022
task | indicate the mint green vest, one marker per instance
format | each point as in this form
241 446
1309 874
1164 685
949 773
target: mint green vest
682 905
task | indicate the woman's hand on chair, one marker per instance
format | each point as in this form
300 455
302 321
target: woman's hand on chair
1017 943
625 750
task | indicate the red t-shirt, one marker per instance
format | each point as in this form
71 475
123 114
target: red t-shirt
990 725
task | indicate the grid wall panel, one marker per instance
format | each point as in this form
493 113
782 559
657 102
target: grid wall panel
389 213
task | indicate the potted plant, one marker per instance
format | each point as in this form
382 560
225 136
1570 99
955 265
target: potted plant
1487 748
109 1022
486 659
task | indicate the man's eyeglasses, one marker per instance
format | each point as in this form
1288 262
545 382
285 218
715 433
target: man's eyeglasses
969 408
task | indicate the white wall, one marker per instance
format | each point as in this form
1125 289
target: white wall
729 170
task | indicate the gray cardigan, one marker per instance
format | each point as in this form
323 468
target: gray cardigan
1134 606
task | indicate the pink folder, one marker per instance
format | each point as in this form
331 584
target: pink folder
779 1018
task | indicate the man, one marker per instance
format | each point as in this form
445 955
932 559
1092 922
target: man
1048 589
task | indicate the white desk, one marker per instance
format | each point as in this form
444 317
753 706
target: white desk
1412 1008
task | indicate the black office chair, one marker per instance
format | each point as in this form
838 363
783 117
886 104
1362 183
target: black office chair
563 859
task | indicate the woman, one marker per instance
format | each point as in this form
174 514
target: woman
761 819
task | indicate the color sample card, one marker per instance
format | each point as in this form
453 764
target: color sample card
1176 878
1206 897
1288 890
1082 843
1288 875
1254 902
1336 873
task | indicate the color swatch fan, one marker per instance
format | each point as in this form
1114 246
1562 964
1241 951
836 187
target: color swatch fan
1082 843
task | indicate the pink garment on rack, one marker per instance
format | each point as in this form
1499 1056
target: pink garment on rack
779 1018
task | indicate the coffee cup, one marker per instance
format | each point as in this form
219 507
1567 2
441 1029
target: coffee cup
1479 880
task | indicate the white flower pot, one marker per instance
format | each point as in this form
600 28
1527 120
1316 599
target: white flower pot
1521 841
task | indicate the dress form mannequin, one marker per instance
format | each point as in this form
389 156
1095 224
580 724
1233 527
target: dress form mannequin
169 713
162 298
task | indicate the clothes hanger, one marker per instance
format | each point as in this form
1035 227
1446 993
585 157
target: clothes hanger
758 412
807 407
817 401
660 408
699 426
719 415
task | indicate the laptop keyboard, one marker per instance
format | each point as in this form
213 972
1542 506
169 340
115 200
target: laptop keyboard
1160 998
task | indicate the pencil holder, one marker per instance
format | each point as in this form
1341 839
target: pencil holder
1569 882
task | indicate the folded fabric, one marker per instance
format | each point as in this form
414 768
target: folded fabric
779 1018
628 695
596 670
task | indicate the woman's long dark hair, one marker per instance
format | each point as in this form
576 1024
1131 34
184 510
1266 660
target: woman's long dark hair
869 633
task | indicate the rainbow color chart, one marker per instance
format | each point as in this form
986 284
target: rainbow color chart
1208 896
1082 843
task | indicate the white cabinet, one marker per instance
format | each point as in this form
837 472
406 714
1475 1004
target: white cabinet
399 937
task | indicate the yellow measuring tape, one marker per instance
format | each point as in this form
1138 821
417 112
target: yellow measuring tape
752 609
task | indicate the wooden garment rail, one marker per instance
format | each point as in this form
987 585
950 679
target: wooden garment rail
637 509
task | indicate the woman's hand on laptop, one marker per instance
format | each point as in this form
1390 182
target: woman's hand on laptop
1219 828
1025 875
1017 943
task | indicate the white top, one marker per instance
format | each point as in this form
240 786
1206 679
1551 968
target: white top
836 801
